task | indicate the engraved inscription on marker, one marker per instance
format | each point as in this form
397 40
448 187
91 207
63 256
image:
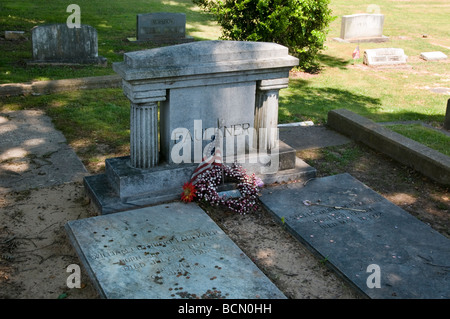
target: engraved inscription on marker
329 217
169 255
167 251
161 26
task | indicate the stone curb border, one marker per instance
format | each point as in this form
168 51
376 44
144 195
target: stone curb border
54 86
429 162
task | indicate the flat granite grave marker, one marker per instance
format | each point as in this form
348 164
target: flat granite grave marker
354 227
162 252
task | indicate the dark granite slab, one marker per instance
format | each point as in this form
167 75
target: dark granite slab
360 229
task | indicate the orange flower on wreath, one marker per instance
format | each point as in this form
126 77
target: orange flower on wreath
189 191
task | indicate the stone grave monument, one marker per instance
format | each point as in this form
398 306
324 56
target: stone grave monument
385 57
378 247
58 44
162 28
362 27
195 88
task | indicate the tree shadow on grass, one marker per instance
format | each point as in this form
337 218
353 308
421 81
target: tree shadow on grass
332 61
94 122
302 102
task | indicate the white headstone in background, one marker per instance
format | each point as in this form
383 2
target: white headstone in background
363 28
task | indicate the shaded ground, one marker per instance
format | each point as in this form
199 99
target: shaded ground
35 251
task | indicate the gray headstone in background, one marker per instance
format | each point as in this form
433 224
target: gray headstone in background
363 27
384 56
162 252
360 229
433 56
59 44
162 27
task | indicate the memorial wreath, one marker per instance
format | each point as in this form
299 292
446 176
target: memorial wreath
204 188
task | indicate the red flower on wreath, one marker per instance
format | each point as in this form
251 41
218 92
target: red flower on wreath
188 192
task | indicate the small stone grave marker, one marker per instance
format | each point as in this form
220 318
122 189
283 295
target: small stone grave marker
15 35
168 251
358 230
162 27
385 57
59 44
433 56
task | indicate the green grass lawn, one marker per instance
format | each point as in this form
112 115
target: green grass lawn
379 94
427 136
114 20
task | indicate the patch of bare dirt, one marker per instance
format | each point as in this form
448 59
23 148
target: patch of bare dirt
34 249
289 264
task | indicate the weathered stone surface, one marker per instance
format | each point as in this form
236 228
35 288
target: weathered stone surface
428 161
353 227
384 56
162 252
204 57
433 56
202 87
59 44
363 27
162 27
232 103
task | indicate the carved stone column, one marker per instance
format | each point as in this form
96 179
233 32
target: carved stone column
144 135
266 112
